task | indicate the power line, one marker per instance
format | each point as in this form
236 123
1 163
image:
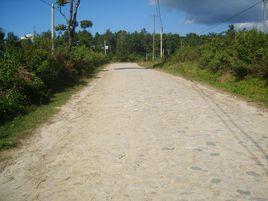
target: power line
159 13
161 30
156 9
45 2
232 17
49 4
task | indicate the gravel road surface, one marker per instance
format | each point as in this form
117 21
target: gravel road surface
139 134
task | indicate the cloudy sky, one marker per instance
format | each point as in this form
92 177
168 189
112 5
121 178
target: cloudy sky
209 12
179 16
213 12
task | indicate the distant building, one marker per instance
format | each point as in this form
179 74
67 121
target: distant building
27 36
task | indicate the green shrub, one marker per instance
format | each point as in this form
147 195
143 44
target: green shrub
65 68
251 47
47 73
12 103
187 54
87 60
240 69
35 91
18 88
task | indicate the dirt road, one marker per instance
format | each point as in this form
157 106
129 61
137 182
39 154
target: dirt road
140 135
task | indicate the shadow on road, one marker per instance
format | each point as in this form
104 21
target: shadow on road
130 68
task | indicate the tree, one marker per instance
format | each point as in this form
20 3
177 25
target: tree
84 38
86 24
231 33
60 28
2 36
122 48
71 21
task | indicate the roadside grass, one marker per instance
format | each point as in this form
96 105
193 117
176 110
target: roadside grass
251 88
22 126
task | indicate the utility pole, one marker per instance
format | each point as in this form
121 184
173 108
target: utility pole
34 33
265 16
161 42
105 47
154 16
52 28
157 6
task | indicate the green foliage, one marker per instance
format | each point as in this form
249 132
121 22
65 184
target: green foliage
251 48
60 28
11 104
240 69
18 88
240 53
216 59
252 88
62 2
236 61
84 38
2 36
122 50
48 73
11 132
29 74
186 54
86 24
88 59
125 46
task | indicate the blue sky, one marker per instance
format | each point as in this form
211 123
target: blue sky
21 16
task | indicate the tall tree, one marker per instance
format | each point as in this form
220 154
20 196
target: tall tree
71 21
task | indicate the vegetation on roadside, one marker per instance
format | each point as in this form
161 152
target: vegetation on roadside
29 74
12 131
251 88
236 61
33 81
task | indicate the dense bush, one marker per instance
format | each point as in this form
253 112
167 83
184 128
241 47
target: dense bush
216 59
251 48
18 88
29 74
87 59
241 53
187 54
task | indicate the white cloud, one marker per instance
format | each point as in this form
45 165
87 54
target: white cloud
187 21
248 25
